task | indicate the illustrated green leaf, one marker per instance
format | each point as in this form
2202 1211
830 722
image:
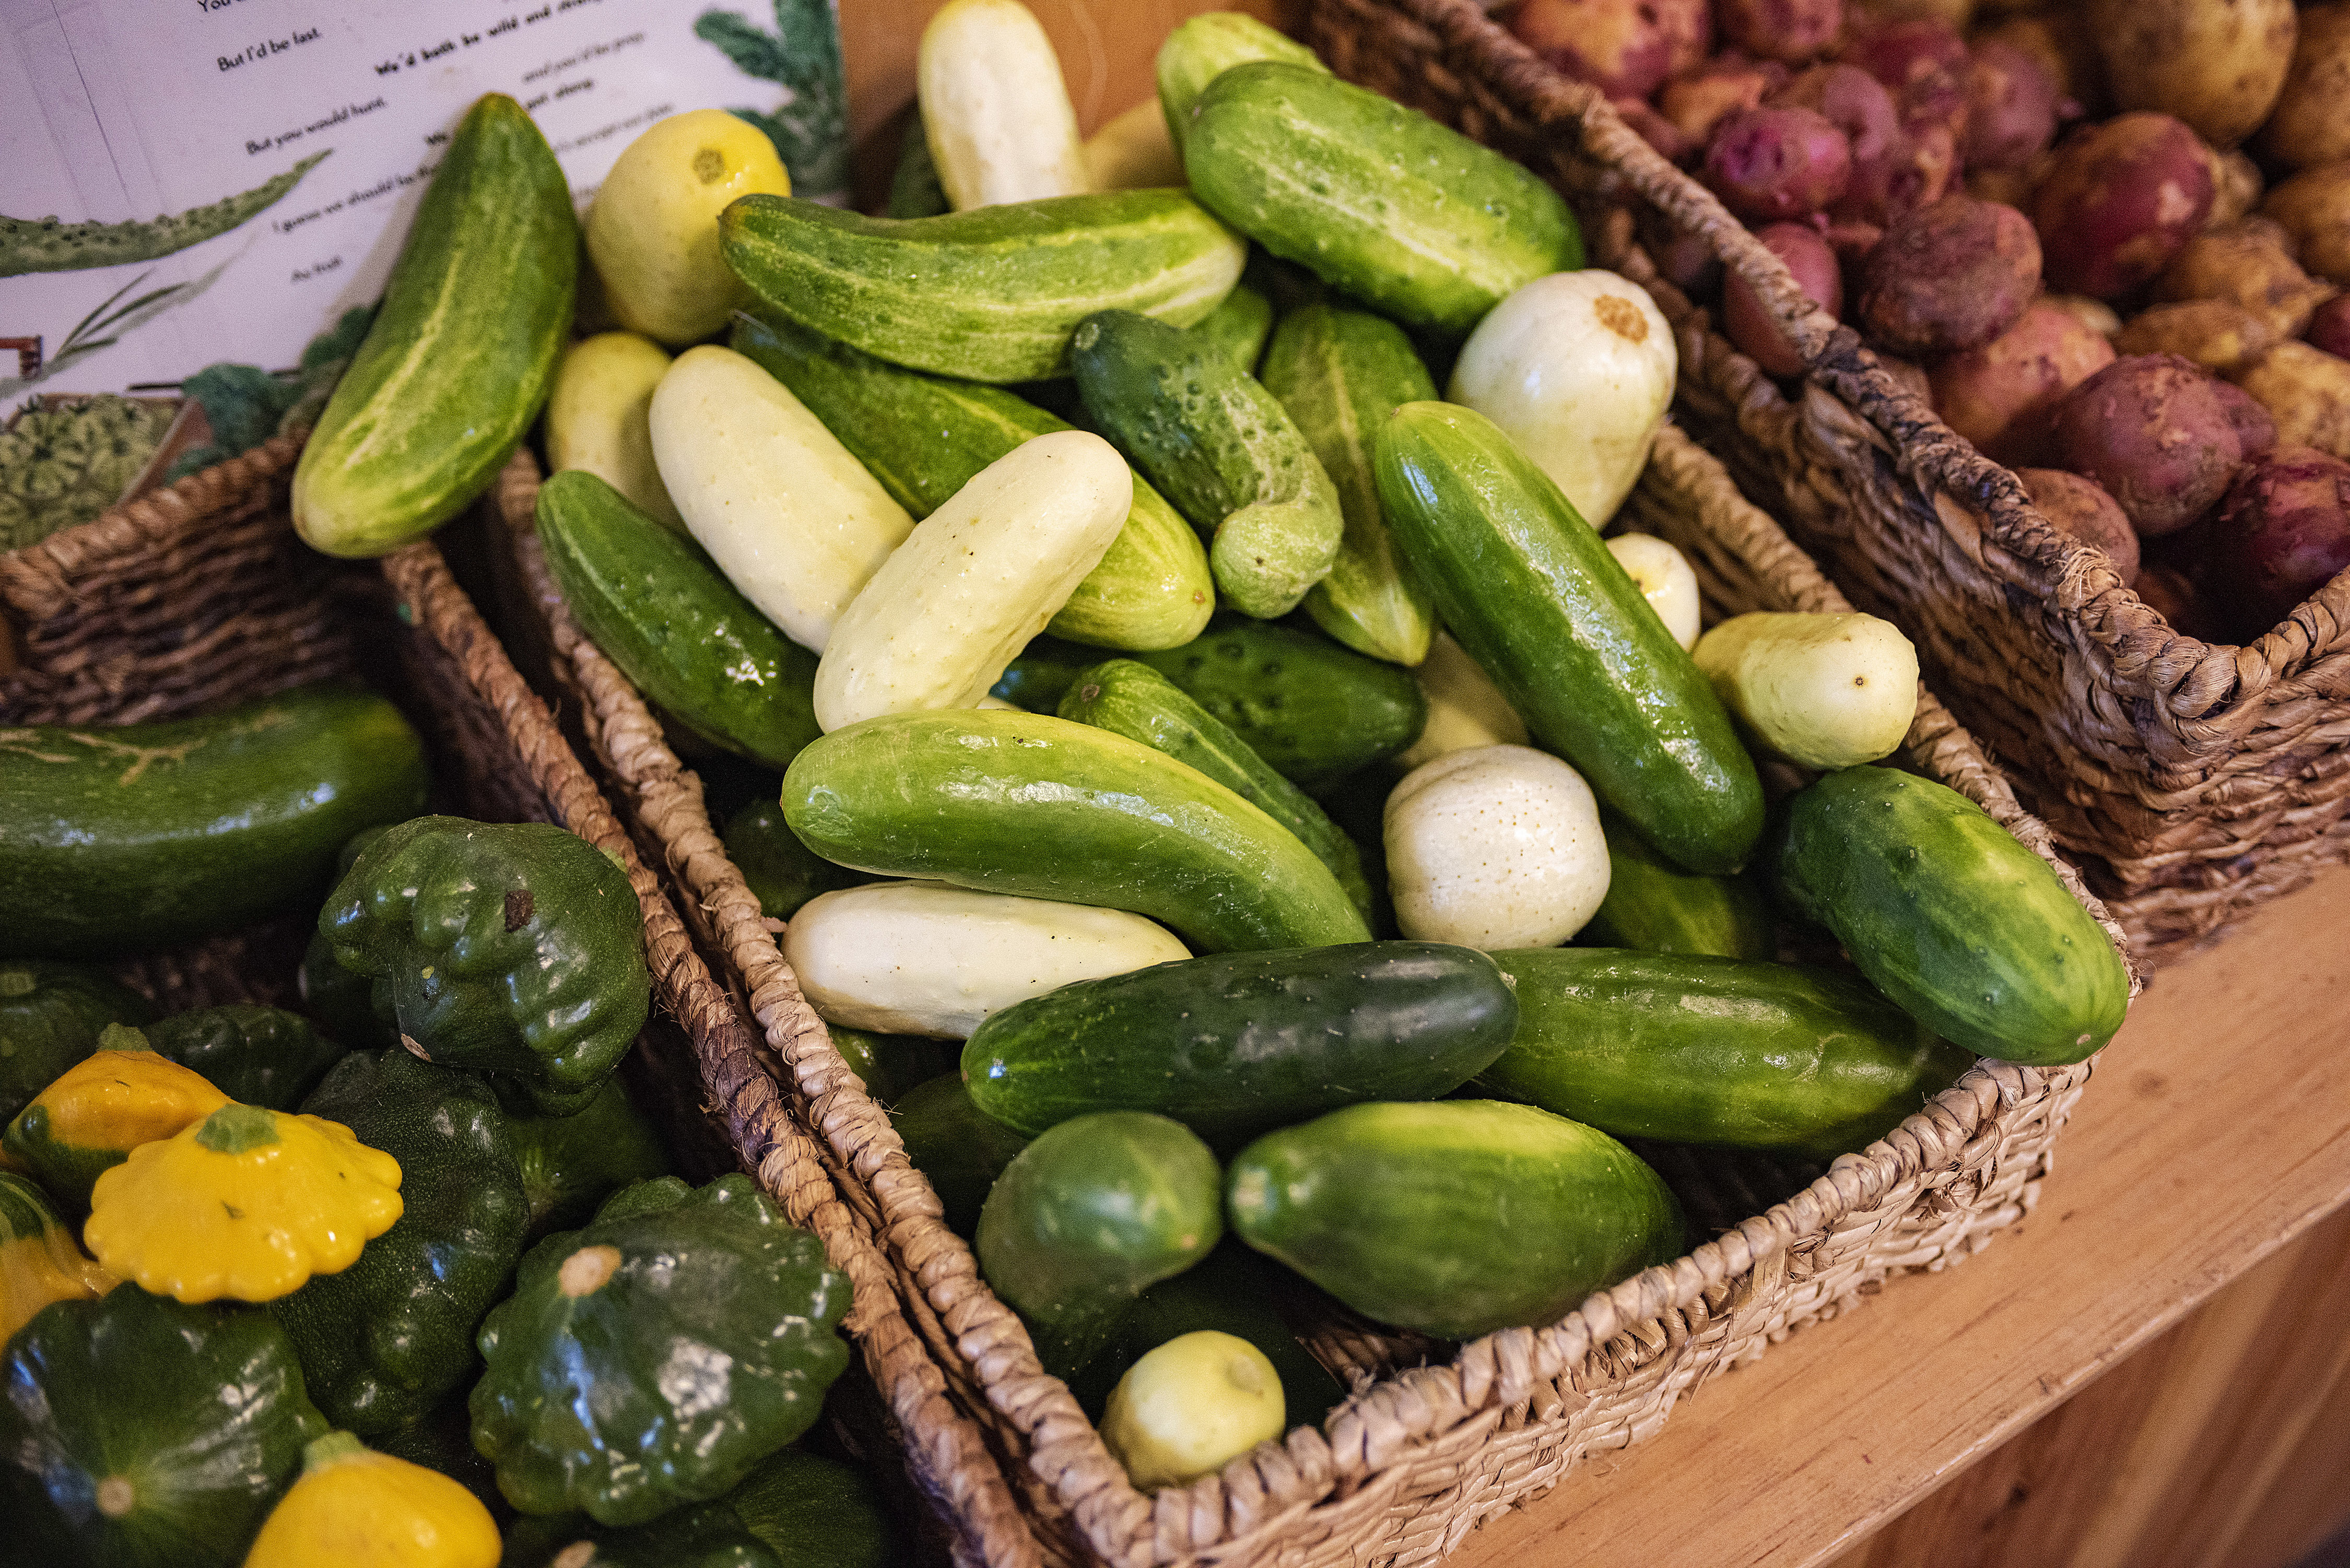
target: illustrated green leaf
46 245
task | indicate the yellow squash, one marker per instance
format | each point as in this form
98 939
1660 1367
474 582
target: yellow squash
599 417
247 1205
99 1109
652 228
354 1508
38 1260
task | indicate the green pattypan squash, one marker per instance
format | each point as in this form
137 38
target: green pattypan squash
571 1164
255 1055
50 1017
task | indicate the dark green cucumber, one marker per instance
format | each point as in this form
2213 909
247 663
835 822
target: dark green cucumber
1947 914
1455 1218
1238 1043
1136 702
961 1149
1043 674
890 1065
1534 595
1238 328
1654 906
1088 1217
656 608
1217 443
461 352
1019 803
1314 710
1380 201
991 295
923 437
138 837
1714 1050
782 872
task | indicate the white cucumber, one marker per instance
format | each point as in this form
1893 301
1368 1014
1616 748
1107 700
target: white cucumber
1495 848
1820 691
1465 709
1666 580
1134 152
995 108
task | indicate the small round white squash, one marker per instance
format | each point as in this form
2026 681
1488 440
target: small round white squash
1578 367
1495 848
1191 1407
1465 709
1666 580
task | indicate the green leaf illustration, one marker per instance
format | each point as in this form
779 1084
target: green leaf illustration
810 126
46 245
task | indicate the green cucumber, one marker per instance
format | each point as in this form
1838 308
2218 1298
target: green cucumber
1456 1218
950 1140
1204 48
1714 1050
915 191
890 1065
1237 329
1088 1217
1314 710
1536 597
1654 906
1215 441
991 295
1947 914
138 837
1043 674
653 603
1380 201
781 871
1019 803
1340 374
923 437
1136 702
1239 1043
461 352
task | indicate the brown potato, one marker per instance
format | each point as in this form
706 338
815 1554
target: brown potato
2311 122
2169 594
2217 334
2236 187
2216 66
2307 391
1697 102
2314 208
2000 396
2120 201
2080 509
2094 313
2242 264
1949 276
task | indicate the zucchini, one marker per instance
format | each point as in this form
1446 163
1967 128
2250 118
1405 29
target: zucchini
1947 914
1314 710
970 796
1455 1219
1656 906
924 438
1236 330
1136 702
138 837
1378 200
461 352
1534 595
996 112
1211 437
782 872
1340 374
1208 46
991 295
1709 1050
675 626
960 1148
1239 1043
1088 1217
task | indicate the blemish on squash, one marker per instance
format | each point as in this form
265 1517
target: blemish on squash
1621 316
586 1270
709 164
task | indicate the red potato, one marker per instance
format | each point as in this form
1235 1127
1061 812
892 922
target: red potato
2282 533
2003 396
2012 106
1792 31
2311 120
2080 509
2217 66
1655 129
1923 63
1627 48
2314 208
2163 438
2167 591
1751 326
2329 327
1950 277
2306 391
1893 171
1699 102
2064 43
2245 264
1776 163
2120 201
2218 335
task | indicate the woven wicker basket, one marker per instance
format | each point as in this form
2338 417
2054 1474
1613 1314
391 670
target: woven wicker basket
1421 1454
2189 781
201 595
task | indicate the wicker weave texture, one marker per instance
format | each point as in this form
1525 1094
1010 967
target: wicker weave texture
2189 780
1417 1456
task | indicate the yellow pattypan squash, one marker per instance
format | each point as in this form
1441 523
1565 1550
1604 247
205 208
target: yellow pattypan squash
354 1508
38 1260
99 1109
247 1204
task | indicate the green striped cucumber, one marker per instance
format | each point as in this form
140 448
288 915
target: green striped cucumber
1340 374
1088 1217
138 837
1008 801
462 350
1210 436
1546 611
1455 1218
1237 329
1711 1050
1134 700
923 437
1654 906
1204 48
656 608
991 295
1947 914
960 1149
1238 1043
1380 201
